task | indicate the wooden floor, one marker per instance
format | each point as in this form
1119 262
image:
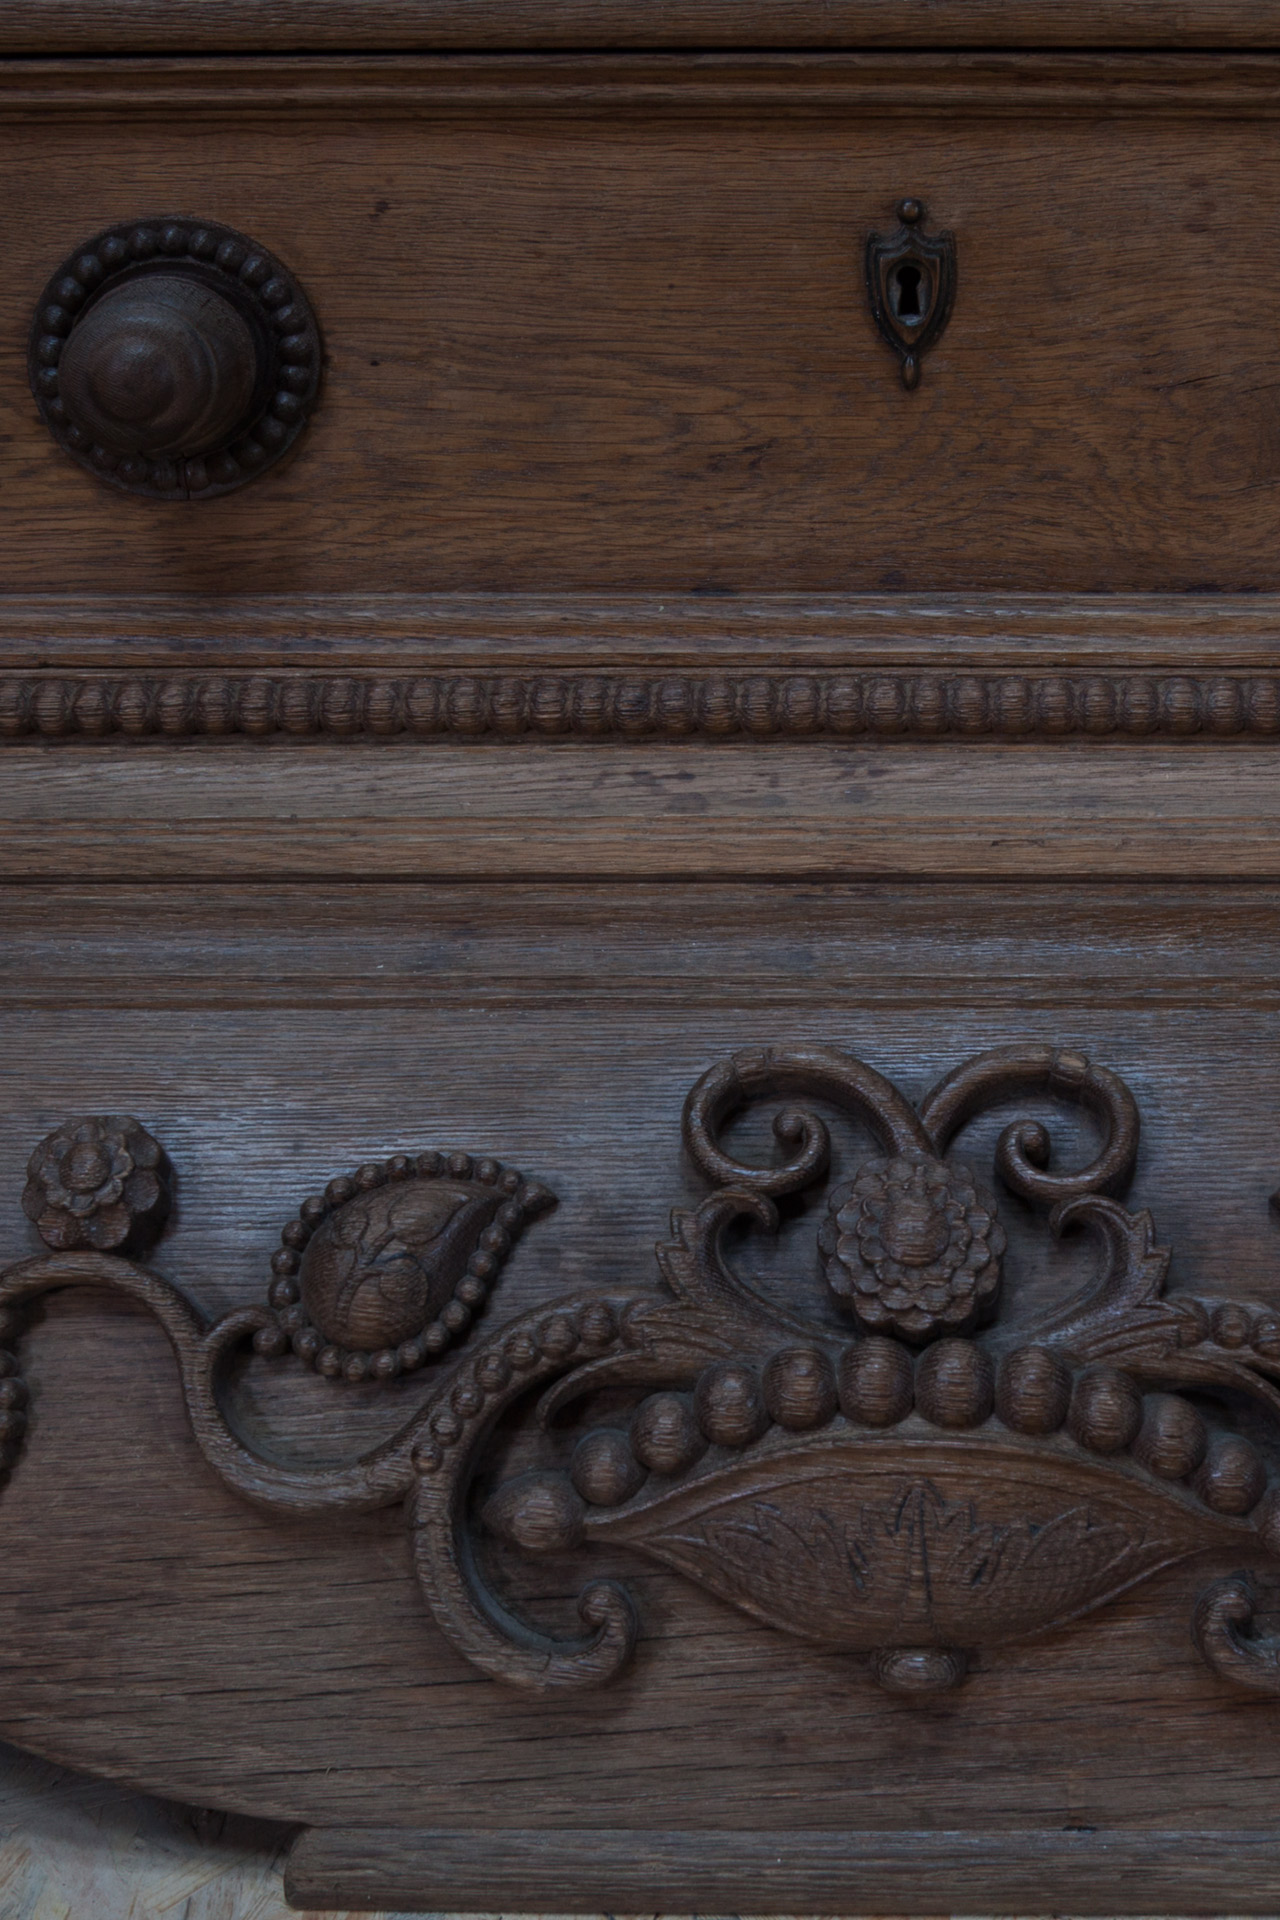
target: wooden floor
72 1848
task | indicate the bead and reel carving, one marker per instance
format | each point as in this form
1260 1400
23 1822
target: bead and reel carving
174 358
899 1476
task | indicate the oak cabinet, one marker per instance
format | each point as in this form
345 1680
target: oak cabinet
639 697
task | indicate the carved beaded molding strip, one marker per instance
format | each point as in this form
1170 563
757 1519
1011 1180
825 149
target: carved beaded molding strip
883 705
905 1479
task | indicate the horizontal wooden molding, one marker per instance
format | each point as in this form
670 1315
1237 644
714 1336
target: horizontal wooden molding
364 847
103 26
400 634
288 947
579 809
886 704
589 1870
1177 85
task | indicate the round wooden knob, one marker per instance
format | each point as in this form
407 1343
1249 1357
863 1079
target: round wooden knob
173 359
160 365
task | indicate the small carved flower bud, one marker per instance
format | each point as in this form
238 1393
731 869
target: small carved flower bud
877 1385
1033 1390
800 1388
665 1437
604 1470
540 1512
1106 1410
1172 1439
954 1384
100 1182
1232 1324
729 1405
1232 1479
912 1246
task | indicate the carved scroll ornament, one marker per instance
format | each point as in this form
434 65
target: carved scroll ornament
900 1478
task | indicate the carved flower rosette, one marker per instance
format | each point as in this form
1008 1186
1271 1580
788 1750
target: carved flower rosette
101 1182
913 1247
890 1472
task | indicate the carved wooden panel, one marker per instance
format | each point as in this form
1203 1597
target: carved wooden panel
1055 1486
637 1112
818 1483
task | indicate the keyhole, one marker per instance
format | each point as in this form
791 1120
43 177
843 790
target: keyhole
907 293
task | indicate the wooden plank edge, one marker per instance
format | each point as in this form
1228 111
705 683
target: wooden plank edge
748 632
698 847
104 26
1021 85
592 1870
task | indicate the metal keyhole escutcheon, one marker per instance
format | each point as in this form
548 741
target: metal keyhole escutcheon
911 284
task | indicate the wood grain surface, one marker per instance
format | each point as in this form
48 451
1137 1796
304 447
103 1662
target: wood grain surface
104 26
611 332
682 811
758 633
1092 1873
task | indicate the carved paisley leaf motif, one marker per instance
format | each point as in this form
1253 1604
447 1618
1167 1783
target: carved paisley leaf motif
392 1263
859 1543
385 1264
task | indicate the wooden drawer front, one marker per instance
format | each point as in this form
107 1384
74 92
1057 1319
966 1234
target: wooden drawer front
605 325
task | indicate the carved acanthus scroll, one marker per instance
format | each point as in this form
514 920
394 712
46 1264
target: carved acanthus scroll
898 1476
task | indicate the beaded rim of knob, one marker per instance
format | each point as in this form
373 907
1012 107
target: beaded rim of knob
521 1201
262 289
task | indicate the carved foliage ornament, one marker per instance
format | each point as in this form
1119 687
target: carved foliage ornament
387 1268
900 1478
